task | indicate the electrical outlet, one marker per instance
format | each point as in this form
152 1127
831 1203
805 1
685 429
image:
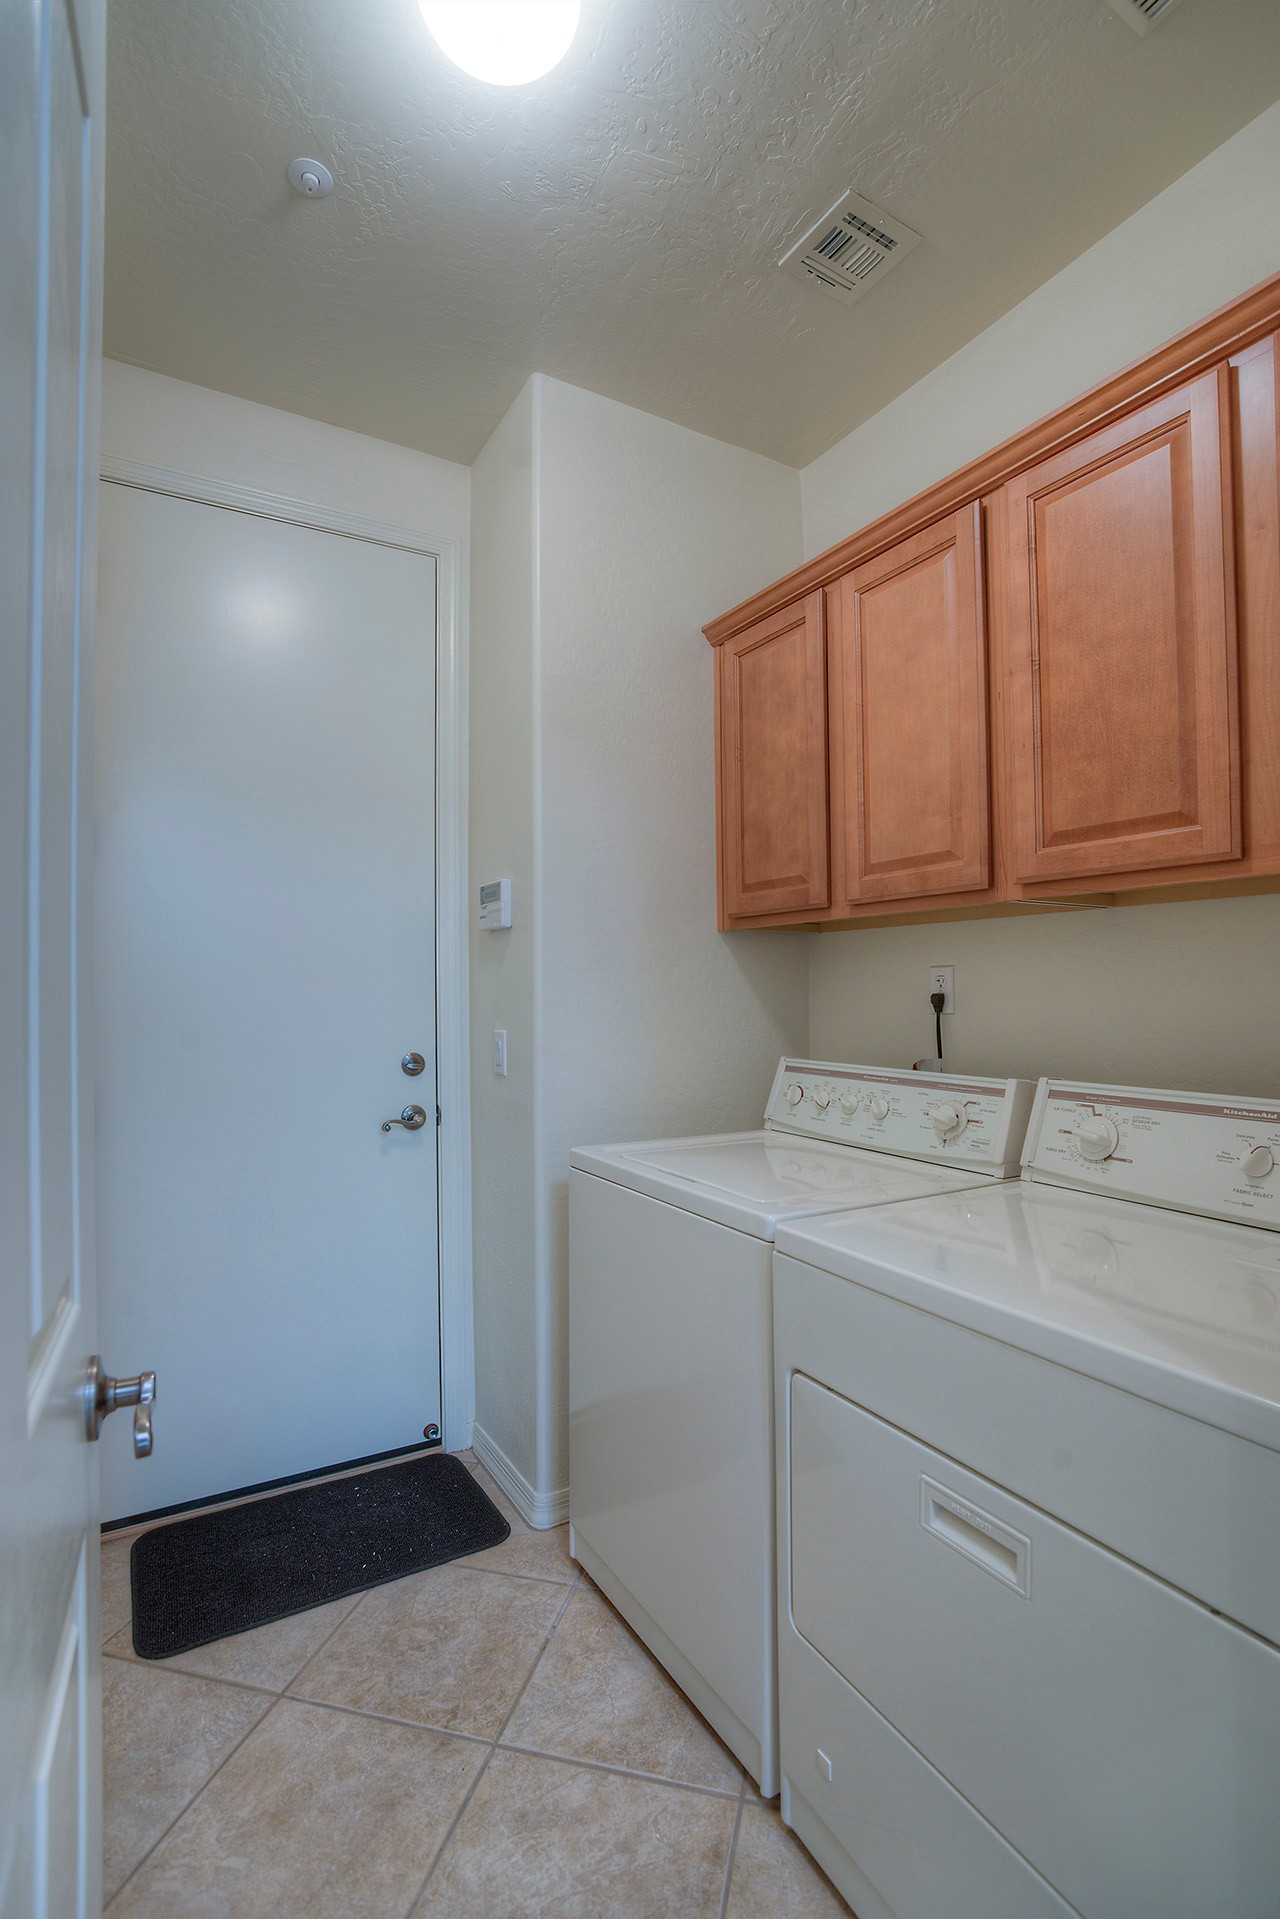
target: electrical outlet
942 979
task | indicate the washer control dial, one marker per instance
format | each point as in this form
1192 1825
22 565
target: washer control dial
795 1093
878 1106
1257 1162
848 1102
948 1122
822 1099
1095 1136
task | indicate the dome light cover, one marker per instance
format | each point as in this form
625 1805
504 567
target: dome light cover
506 42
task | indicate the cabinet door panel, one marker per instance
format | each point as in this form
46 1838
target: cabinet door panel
772 713
909 718
1124 739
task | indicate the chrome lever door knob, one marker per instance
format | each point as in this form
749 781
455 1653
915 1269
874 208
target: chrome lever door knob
412 1118
102 1395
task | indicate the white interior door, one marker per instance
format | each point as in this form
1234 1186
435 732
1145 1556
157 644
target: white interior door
265 957
51 67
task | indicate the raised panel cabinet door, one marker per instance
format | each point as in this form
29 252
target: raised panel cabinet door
772 712
908 675
1124 740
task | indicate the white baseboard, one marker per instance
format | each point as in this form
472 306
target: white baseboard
540 1509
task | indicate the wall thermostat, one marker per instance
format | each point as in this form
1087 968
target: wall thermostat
495 905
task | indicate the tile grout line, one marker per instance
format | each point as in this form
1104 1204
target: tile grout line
468 1796
218 1679
625 1772
388 1719
283 1692
130 1536
456 1821
490 1572
492 1745
448 1732
602 1765
733 1849
312 1657
180 1815
240 1686
184 1672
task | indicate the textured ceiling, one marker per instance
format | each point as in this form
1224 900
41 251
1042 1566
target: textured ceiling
617 223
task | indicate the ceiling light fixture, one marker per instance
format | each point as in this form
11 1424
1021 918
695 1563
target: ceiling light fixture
506 42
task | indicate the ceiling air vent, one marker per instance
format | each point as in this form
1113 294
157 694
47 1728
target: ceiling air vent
1142 15
853 246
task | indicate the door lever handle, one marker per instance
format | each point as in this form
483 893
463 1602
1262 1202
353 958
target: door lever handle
411 1119
102 1395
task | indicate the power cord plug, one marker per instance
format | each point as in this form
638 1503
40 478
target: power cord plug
938 1001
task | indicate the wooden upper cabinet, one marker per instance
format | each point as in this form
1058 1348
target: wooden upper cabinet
771 722
1123 737
908 690
1069 689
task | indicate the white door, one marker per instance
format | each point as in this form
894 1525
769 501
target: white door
51 68
265 958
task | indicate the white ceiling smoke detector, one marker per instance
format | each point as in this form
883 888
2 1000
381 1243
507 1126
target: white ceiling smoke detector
311 178
1142 15
850 249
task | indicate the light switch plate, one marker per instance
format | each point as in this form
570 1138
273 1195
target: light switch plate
500 1051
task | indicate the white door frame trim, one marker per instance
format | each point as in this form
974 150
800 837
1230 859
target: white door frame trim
453 1137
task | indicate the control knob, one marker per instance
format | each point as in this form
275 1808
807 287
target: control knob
878 1106
795 1093
1257 1162
822 1099
1096 1137
948 1122
848 1102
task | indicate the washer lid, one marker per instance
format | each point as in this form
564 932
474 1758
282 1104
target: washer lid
1182 1310
752 1180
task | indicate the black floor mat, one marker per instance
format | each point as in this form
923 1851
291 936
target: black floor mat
225 1572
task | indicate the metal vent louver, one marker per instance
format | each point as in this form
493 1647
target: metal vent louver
852 247
1142 15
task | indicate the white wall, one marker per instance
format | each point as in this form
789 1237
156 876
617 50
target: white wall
1203 241
502 963
653 1023
646 1020
1171 994
156 421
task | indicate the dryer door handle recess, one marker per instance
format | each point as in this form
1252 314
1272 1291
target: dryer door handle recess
987 1541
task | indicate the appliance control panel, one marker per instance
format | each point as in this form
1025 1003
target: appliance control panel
977 1124
1195 1152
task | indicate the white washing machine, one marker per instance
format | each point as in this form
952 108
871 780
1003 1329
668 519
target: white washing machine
1029 1519
671 1350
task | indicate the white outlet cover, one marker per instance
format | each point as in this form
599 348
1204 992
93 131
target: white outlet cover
943 979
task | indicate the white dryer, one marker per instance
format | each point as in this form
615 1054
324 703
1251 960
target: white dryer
671 1350
1029 1518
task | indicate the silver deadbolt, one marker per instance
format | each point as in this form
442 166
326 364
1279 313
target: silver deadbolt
102 1395
411 1119
412 1064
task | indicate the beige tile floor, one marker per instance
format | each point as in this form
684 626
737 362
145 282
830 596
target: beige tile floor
484 1741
